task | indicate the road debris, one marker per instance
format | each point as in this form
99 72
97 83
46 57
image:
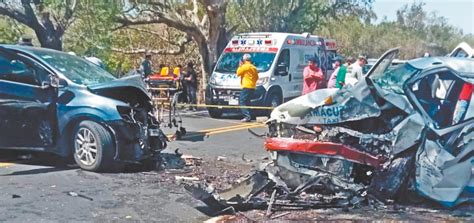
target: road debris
246 160
180 179
280 215
191 160
15 196
74 194
221 158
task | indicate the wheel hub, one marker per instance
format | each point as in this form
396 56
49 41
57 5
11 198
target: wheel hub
85 146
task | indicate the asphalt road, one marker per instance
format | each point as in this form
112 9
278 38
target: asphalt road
42 188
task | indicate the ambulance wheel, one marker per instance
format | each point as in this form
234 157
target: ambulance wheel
215 113
273 100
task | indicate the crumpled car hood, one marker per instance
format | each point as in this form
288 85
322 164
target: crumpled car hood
332 106
131 90
135 82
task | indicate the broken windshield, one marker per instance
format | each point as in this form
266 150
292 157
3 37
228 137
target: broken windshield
394 78
76 69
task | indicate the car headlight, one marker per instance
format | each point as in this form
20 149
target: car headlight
213 80
263 80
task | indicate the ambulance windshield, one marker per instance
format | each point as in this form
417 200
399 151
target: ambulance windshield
230 61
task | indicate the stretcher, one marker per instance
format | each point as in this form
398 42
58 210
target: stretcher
165 91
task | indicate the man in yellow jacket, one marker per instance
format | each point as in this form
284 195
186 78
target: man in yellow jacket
248 81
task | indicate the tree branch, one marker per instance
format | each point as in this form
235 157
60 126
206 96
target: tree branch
68 13
16 14
181 49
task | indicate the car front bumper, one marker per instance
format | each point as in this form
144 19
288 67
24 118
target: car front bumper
221 96
134 142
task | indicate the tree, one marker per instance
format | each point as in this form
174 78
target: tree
293 16
415 31
202 20
10 30
49 19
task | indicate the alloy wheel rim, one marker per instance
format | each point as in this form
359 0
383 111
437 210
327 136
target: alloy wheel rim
86 146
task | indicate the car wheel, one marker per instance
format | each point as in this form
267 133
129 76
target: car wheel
93 146
215 113
273 100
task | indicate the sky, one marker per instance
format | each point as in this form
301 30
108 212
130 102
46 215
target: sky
460 13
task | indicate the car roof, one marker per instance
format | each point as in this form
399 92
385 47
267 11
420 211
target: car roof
464 66
30 49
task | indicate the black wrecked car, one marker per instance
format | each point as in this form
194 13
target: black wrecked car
55 102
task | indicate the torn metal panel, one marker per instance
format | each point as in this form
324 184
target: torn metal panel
440 179
397 100
387 181
247 188
242 196
329 106
407 133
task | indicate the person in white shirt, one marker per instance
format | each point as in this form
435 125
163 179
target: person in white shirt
354 71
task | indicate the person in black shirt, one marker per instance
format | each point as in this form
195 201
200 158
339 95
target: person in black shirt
190 81
147 65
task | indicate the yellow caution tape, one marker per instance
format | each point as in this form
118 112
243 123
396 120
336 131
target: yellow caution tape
217 106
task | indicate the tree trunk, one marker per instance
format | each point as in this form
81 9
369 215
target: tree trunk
49 39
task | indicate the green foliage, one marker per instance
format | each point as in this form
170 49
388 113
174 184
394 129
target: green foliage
294 16
91 34
10 31
415 31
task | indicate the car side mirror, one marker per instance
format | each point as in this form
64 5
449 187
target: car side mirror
281 70
58 82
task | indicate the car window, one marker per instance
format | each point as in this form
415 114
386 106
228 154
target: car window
439 95
461 53
16 70
284 58
393 79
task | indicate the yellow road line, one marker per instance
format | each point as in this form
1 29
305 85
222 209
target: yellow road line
227 127
6 164
235 129
223 128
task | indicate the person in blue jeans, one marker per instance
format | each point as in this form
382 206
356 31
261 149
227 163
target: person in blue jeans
248 81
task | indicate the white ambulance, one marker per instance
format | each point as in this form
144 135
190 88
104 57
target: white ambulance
280 59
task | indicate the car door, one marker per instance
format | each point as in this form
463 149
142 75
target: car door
444 159
27 108
283 75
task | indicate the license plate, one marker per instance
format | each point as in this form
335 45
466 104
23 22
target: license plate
154 132
233 101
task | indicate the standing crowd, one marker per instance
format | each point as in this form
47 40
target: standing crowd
347 72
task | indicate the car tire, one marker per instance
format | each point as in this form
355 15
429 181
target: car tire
215 113
273 100
93 147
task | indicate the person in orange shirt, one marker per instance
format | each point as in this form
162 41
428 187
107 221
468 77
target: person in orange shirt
248 81
312 74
